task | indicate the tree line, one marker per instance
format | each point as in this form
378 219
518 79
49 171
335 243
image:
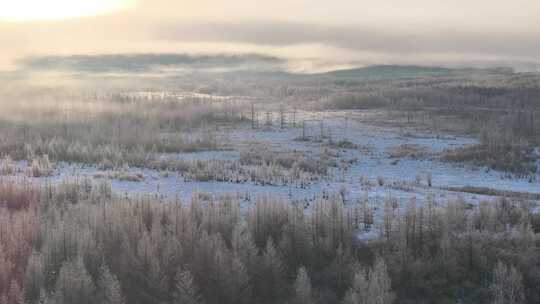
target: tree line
77 242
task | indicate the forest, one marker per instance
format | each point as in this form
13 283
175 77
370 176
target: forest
269 152
77 242
293 193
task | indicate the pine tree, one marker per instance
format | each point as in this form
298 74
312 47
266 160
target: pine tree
34 278
271 258
210 266
507 285
302 287
371 287
237 285
270 282
109 287
351 297
6 267
74 285
44 298
359 291
15 294
341 271
185 291
244 247
148 267
380 289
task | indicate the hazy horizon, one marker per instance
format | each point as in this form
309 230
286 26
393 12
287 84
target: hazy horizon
310 36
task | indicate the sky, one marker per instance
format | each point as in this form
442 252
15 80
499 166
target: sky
311 35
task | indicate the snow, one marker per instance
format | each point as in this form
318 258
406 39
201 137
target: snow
371 164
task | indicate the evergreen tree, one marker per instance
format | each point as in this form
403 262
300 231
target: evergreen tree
271 281
371 287
6 267
151 276
185 291
244 247
74 285
109 287
15 294
237 285
359 291
302 287
380 289
34 278
507 285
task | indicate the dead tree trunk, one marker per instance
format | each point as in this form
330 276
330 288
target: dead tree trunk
252 116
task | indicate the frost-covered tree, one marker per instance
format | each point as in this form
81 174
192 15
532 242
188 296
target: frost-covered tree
271 281
237 286
109 289
6 267
507 285
74 284
359 291
380 289
15 294
244 247
302 288
149 269
371 287
185 291
34 278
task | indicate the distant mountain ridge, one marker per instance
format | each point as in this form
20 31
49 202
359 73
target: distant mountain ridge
383 71
237 63
150 62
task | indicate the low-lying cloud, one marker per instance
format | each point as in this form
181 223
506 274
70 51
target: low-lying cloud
314 35
396 43
151 62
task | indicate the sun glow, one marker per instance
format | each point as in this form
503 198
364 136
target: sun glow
32 10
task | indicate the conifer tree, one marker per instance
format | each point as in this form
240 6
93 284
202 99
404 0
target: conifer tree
6 267
371 287
34 278
359 291
271 281
302 287
74 284
380 289
244 247
109 287
15 294
507 285
237 284
185 291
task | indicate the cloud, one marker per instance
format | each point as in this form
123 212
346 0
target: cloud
310 34
150 62
516 46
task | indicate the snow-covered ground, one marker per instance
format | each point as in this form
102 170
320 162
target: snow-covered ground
358 180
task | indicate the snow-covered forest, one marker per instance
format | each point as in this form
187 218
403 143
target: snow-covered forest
378 185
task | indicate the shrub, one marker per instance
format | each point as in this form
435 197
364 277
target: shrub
510 158
408 150
7 166
40 167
